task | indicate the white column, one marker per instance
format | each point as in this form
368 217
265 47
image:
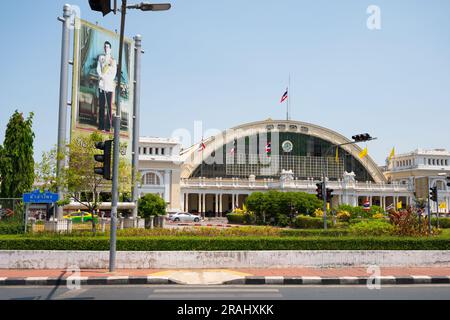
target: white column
204 203
199 202
167 185
220 203
233 202
237 200
216 209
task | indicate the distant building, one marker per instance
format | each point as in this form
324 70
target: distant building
160 168
421 168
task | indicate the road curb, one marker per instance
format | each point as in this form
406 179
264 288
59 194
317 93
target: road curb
272 280
327 281
112 280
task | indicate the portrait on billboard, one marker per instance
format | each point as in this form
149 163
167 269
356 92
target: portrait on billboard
94 86
98 55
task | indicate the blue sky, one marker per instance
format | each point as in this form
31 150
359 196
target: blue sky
227 63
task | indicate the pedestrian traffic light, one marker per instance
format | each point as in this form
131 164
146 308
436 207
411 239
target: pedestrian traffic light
104 158
433 194
319 191
103 6
362 137
329 194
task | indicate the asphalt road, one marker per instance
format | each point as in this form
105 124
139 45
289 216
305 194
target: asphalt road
173 292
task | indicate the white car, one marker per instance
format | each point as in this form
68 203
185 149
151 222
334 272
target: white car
184 217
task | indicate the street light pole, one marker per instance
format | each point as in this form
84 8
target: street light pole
64 78
136 123
105 8
116 153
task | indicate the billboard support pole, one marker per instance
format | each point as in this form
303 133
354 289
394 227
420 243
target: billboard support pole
136 123
63 88
116 154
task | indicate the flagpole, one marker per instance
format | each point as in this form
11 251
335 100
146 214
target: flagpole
289 96
203 150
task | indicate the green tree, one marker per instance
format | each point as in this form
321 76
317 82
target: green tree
151 205
16 157
280 208
81 184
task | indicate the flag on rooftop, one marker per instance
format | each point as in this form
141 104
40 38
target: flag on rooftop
201 147
285 96
392 155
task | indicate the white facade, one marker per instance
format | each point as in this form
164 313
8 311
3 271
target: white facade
159 160
408 168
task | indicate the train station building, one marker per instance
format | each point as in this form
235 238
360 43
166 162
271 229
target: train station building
217 174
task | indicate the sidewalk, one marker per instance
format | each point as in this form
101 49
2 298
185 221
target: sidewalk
326 276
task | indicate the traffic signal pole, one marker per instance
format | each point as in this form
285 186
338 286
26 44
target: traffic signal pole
429 208
357 138
324 193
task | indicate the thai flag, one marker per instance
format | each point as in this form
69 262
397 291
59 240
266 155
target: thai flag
366 205
233 150
285 96
268 148
201 147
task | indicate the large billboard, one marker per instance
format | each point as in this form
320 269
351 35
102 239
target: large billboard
95 75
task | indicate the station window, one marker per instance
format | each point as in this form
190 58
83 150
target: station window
150 150
145 150
162 151
157 151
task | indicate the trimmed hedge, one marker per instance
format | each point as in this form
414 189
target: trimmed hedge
444 223
11 228
307 222
236 218
221 243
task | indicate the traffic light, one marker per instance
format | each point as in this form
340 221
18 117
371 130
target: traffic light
362 137
104 158
103 6
319 191
433 194
329 194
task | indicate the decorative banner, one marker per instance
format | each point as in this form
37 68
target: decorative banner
96 53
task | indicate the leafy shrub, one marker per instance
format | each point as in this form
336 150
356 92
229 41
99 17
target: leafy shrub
343 216
378 216
406 223
241 218
307 222
11 228
151 205
235 218
359 212
372 228
444 223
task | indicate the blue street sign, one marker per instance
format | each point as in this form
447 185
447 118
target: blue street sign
40 197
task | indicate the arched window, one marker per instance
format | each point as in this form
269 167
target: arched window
151 179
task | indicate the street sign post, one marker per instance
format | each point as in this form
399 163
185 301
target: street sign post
38 197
